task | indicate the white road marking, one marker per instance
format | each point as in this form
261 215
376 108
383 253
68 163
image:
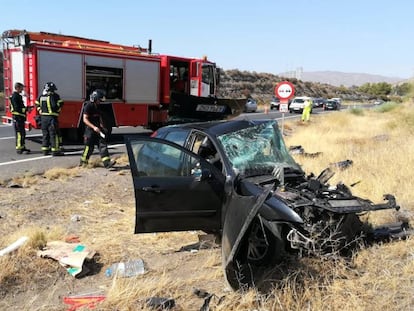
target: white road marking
50 156
13 137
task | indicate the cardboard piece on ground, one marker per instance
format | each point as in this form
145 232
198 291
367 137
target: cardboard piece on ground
69 255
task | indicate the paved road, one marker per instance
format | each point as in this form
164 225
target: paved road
12 164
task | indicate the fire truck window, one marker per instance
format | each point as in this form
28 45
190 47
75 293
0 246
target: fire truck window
208 77
179 77
104 78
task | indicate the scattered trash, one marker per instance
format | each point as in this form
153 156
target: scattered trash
126 269
299 150
206 241
75 218
72 238
160 303
342 164
200 293
13 246
14 185
69 255
80 301
296 149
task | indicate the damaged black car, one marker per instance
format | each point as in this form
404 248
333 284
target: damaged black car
237 179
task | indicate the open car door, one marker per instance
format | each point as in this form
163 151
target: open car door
175 189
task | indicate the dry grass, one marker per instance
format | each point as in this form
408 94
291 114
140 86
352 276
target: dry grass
380 277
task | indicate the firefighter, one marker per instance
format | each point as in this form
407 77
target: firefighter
19 110
95 131
49 106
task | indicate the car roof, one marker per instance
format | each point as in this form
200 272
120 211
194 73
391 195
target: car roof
216 128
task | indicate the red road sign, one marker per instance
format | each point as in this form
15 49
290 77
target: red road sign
284 90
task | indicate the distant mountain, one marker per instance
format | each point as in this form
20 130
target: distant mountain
337 78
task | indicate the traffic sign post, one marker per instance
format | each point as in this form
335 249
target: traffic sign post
284 91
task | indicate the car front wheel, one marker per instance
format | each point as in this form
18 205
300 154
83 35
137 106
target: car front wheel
259 252
263 247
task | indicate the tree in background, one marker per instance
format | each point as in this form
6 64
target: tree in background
380 89
403 89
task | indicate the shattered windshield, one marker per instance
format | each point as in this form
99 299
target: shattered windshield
257 150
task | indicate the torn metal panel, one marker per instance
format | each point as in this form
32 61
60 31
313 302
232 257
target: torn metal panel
237 221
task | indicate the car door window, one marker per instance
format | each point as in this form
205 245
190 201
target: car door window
178 137
156 158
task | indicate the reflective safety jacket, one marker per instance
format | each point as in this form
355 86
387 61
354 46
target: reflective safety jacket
17 106
49 104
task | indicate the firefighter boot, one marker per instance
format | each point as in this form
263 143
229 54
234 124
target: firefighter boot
24 149
57 153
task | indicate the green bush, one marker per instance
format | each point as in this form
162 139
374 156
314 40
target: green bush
356 111
388 106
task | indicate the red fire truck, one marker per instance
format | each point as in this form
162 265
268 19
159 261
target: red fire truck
142 88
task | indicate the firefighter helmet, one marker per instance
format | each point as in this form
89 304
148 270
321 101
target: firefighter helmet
97 95
50 87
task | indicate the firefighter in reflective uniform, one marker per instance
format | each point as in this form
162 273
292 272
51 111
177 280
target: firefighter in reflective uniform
95 131
19 110
49 106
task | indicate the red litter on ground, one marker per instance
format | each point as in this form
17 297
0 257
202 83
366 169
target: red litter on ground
83 301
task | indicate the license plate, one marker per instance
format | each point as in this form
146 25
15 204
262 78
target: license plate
210 108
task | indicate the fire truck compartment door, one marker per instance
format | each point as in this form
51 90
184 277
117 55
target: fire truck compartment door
64 69
17 64
142 79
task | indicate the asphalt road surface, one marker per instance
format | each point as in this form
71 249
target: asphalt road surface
13 164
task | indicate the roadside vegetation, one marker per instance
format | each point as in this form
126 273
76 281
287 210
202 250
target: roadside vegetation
380 144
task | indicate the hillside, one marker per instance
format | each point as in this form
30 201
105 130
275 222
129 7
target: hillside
337 78
235 83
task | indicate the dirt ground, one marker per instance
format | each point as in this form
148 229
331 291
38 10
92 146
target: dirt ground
98 207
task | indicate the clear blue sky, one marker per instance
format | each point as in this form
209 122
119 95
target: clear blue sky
274 36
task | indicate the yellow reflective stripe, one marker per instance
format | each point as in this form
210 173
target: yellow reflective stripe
50 114
57 142
49 106
19 141
105 159
85 153
15 113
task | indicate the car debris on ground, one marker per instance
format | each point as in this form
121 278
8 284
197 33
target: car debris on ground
301 151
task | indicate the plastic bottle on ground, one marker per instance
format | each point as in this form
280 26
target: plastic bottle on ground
126 269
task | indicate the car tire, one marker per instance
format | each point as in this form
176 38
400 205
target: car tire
258 253
263 247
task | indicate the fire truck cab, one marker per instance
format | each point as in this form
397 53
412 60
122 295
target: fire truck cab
138 83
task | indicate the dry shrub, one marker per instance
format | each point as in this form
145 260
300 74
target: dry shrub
24 181
61 173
